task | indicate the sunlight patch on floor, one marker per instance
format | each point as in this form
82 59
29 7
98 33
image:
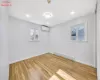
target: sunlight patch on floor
64 75
54 77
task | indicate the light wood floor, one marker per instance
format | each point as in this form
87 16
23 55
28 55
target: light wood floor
51 67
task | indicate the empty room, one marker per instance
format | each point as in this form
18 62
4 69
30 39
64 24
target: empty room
49 39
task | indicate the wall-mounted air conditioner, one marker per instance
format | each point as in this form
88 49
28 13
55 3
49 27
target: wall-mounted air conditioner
45 28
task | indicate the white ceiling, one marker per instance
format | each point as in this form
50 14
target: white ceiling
61 10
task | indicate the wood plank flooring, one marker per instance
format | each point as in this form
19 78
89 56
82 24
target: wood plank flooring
51 67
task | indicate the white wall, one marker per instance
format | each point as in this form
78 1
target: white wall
19 46
98 40
4 66
57 41
81 51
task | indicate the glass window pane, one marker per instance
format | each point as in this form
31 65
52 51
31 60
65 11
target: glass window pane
81 33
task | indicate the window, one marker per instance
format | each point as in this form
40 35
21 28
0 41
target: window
79 32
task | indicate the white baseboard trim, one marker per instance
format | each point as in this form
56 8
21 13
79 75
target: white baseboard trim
72 58
63 55
86 63
59 54
11 62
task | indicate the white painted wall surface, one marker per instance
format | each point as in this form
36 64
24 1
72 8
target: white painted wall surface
83 52
98 40
4 66
19 46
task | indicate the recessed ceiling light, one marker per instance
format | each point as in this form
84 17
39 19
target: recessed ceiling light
48 15
28 16
72 13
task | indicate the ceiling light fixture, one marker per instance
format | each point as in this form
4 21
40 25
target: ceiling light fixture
28 16
48 15
72 13
49 1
